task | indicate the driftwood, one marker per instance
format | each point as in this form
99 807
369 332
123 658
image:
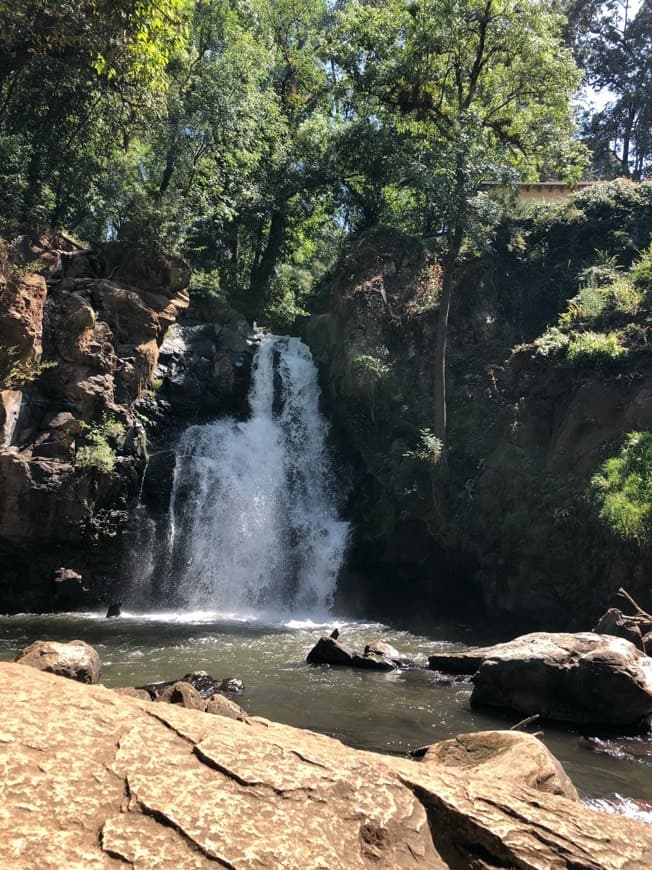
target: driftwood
641 616
524 723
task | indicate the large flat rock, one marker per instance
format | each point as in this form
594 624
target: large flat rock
584 678
90 778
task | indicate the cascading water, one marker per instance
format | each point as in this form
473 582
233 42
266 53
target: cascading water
253 518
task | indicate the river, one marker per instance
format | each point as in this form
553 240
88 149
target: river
393 712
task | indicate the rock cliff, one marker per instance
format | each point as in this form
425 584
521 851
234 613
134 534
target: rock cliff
105 780
502 517
80 337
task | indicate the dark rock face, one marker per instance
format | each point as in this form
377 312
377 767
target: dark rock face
503 523
583 678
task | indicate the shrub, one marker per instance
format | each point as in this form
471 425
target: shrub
642 272
622 489
595 347
16 373
551 342
98 452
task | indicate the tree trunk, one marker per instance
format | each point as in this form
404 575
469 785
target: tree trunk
262 273
448 279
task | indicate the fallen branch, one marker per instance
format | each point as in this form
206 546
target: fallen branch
640 613
524 722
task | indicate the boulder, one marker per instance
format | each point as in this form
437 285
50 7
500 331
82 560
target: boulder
201 681
615 622
464 662
331 651
218 705
387 651
108 781
583 678
506 756
76 660
183 694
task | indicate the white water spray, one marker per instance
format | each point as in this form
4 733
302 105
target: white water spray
253 519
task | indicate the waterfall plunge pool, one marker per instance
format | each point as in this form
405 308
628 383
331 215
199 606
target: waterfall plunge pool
253 528
392 713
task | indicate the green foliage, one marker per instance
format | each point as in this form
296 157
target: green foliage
595 348
98 451
642 272
429 449
622 489
551 343
16 373
205 284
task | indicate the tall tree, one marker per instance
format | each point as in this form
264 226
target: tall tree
484 84
614 44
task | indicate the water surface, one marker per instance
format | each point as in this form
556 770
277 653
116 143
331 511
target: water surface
393 712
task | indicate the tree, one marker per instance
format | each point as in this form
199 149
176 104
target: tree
614 43
483 85
76 78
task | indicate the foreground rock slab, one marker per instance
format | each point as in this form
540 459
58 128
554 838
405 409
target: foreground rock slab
583 678
107 781
76 659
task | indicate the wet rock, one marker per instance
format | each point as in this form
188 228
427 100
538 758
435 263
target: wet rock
232 686
256 793
184 695
583 678
332 651
114 609
507 756
75 660
201 681
615 622
466 662
387 651
204 683
69 588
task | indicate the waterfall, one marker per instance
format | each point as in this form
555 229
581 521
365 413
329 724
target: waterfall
253 517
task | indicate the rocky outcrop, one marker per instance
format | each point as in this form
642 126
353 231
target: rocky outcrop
80 331
505 756
75 660
80 337
500 518
583 678
331 651
105 780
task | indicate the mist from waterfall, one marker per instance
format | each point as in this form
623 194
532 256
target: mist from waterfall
253 516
